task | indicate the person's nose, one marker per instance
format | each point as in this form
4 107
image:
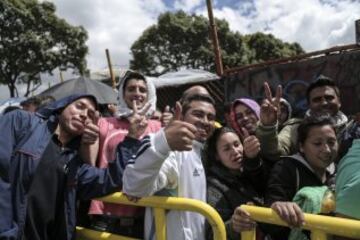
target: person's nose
326 148
137 92
234 150
84 114
323 102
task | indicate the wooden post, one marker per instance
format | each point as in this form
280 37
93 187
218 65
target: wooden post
215 40
357 31
110 69
61 76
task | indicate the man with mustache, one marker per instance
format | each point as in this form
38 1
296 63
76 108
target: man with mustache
323 97
158 169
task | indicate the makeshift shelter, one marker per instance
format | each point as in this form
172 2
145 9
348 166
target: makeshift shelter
170 86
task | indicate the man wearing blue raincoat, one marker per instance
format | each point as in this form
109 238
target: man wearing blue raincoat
41 172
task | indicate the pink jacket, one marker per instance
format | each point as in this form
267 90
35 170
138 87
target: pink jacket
112 132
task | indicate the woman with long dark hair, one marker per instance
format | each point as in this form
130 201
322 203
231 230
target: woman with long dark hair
235 175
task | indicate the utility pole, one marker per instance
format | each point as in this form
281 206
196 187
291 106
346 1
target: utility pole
113 83
357 31
215 40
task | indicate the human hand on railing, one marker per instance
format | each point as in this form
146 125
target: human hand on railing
132 198
251 144
289 212
241 221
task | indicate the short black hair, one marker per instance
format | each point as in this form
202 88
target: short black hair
45 100
315 120
196 97
321 81
36 100
187 93
132 75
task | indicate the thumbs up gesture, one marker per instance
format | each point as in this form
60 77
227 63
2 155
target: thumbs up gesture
179 134
251 144
167 116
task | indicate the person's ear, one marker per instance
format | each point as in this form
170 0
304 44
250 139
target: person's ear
301 148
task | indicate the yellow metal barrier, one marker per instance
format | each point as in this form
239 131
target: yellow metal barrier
160 204
320 226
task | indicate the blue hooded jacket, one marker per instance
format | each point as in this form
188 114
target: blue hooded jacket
24 137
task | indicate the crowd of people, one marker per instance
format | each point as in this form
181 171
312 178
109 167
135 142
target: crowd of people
57 156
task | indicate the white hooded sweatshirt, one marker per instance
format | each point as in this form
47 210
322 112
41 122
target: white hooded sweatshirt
154 168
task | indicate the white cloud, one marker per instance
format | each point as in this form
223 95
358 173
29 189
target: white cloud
187 5
314 24
116 24
110 24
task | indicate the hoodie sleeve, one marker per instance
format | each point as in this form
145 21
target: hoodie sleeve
153 168
274 144
13 129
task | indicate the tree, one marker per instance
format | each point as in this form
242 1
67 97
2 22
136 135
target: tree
34 40
180 40
266 47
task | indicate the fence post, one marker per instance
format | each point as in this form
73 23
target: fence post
248 235
160 224
318 235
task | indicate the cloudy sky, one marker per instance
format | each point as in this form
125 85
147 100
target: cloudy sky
116 24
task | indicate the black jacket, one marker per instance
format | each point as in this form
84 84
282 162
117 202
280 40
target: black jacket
288 175
226 190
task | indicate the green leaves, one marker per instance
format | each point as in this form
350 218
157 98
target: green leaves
181 40
33 40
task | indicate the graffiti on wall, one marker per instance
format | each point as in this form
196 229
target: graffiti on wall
343 68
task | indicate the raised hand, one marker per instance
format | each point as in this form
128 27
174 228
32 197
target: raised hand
241 220
91 130
289 212
270 108
180 134
166 117
89 146
251 144
138 120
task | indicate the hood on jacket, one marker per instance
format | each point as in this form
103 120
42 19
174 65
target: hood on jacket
253 105
56 106
298 157
122 108
288 106
340 119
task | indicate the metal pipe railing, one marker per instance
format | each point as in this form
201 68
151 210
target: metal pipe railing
320 226
160 204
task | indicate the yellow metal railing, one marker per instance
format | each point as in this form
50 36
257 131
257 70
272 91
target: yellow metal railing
160 204
320 226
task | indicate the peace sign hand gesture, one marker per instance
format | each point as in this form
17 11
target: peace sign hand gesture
138 120
270 108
